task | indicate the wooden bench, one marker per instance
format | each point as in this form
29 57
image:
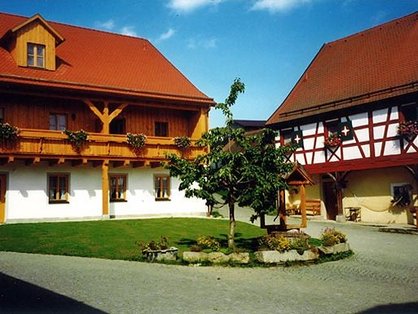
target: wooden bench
313 207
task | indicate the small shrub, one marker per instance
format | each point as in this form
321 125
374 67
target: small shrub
300 244
270 242
208 242
162 244
330 237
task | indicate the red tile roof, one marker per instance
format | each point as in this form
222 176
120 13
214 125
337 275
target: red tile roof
99 61
368 66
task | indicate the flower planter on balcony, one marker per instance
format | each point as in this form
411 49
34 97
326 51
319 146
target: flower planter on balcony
408 130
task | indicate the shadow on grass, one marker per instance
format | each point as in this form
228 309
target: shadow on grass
17 296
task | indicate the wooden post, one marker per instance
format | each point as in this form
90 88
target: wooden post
339 200
282 209
105 188
201 125
304 222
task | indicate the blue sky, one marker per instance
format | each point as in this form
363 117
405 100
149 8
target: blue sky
266 43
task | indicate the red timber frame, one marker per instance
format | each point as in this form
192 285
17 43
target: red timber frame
374 157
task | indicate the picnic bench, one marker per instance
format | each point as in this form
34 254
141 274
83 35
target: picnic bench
313 207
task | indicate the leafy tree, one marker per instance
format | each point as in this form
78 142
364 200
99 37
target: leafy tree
239 168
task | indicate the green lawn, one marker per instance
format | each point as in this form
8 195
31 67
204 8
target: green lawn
116 239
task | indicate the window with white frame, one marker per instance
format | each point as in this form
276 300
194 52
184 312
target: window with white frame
58 187
57 121
117 187
35 55
162 187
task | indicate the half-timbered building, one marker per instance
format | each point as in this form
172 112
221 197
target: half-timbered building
353 117
56 77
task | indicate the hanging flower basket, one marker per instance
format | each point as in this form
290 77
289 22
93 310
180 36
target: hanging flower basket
8 134
76 138
137 141
182 142
408 129
332 141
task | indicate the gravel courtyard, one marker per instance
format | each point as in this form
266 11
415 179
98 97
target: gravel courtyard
382 277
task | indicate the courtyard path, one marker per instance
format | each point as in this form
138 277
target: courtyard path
382 277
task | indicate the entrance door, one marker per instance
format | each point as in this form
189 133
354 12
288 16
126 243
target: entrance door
330 199
2 197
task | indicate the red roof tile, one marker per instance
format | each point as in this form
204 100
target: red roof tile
371 65
100 61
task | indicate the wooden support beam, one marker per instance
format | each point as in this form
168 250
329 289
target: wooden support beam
105 117
282 209
304 222
105 188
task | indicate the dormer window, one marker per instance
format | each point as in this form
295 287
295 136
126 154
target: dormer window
33 44
36 55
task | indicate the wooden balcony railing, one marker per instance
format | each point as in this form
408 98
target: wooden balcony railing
53 144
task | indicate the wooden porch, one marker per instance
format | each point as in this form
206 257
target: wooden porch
53 145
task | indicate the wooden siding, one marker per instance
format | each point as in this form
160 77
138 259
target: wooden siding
142 120
37 34
33 113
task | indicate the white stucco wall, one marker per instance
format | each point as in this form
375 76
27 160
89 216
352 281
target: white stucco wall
27 198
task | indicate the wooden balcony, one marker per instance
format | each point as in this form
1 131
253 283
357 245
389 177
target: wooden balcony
37 145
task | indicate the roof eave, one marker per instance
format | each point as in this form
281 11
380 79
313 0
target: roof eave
345 103
13 79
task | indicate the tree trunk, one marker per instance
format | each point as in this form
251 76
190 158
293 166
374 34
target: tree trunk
231 234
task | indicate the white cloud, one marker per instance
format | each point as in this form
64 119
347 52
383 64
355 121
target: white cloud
110 25
274 6
107 25
167 35
128 30
206 43
191 5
